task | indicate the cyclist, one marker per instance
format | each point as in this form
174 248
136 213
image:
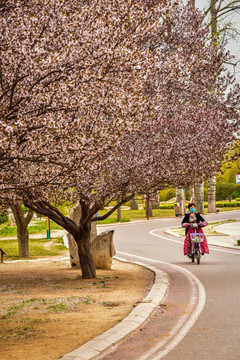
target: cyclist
189 218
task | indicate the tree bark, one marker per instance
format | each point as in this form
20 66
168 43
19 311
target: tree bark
212 194
199 196
119 214
213 12
180 198
155 200
133 204
83 239
148 206
22 229
192 197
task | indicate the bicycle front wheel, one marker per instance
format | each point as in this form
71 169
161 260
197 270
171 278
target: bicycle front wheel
198 255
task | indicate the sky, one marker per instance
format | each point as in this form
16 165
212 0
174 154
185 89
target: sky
233 45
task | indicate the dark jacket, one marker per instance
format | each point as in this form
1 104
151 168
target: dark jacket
186 220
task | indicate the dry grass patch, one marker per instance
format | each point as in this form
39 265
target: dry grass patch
47 310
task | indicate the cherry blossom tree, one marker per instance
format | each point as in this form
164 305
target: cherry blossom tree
101 100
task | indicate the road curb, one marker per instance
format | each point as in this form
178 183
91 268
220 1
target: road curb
139 315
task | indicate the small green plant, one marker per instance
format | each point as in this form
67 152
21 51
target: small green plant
57 307
111 303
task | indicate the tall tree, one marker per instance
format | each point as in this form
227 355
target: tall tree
218 11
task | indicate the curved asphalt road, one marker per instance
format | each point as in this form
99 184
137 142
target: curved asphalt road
216 333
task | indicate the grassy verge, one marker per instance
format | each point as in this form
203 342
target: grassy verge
130 215
208 230
36 248
34 228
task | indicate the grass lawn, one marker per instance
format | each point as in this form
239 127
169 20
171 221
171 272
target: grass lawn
37 247
130 215
208 230
36 227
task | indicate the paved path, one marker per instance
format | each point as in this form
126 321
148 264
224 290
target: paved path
231 228
164 328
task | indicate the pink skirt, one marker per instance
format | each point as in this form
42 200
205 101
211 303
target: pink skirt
187 248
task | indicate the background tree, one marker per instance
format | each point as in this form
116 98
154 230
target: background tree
22 220
219 10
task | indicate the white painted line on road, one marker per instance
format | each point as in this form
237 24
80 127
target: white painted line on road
159 354
156 353
237 252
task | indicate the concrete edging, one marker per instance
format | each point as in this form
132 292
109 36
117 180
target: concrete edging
132 322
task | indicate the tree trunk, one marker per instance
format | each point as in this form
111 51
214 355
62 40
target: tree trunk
155 200
199 196
75 215
148 206
212 194
119 215
23 243
84 251
192 194
180 198
22 228
133 204
214 21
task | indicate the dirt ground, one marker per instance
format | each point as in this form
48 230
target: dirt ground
47 310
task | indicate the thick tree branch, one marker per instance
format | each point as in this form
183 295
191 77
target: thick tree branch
123 201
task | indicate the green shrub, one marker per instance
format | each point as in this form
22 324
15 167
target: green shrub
3 218
228 204
235 195
167 194
226 191
166 206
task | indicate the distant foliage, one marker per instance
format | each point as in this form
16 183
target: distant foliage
167 194
228 204
226 191
3 218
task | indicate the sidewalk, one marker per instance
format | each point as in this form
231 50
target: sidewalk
230 234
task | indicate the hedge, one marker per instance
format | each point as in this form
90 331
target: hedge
228 204
218 204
